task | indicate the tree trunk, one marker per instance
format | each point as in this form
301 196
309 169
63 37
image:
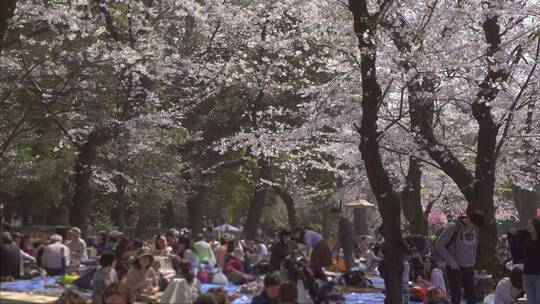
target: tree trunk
86 155
82 195
257 203
411 201
289 203
196 207
526 202
122 204
365 27
7 7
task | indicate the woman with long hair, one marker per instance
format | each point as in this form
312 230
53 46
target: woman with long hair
123 253
184 250
141 277
531 263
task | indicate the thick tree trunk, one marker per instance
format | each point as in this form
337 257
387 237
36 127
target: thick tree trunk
256 206
289 203
7 7
82 196
411 201
365 27
86 155
196 207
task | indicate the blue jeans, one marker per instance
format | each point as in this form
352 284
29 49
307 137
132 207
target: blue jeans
531 283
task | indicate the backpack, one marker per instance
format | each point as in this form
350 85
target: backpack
436 255
84 281
355 278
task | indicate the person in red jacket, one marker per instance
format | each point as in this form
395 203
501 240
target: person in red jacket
233 268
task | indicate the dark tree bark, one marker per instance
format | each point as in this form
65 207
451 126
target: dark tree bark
360 221
365 27
411 200
7 7
289 203
86 155
254 214
196 206
526 202
478 189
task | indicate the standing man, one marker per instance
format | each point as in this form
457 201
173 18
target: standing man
345 237
458 245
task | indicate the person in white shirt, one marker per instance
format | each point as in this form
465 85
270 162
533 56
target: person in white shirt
54 254
509 289
262 250
77 246
204 250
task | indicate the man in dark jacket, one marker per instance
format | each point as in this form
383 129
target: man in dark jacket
272 282
279 250
345 237
10 257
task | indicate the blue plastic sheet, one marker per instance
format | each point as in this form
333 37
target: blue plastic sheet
35 285
230 288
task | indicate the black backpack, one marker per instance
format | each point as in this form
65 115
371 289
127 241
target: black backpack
356 278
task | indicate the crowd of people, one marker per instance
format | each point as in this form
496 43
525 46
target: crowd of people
119 269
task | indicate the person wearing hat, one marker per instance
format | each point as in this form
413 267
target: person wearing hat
234 269
141 277
279 250
77 246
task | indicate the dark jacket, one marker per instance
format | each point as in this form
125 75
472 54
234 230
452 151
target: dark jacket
345 234
278 252
531 261
10 260
262 299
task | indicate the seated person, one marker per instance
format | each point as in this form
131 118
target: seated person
77 246
141 277
10 257
184 272
272 283
117 293
104 276
436 296
374 256
233 268
160 243
433 275
509 289
56 256
204 250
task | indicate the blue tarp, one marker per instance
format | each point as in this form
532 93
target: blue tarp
38 285
35 285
